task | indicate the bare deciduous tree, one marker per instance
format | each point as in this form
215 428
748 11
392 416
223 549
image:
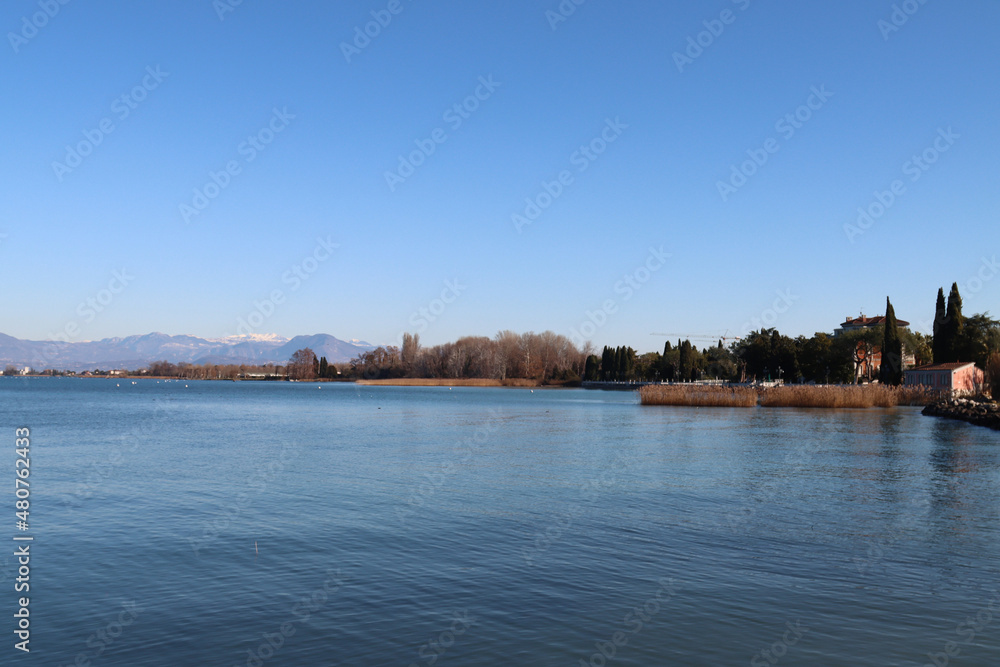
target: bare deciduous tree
302 365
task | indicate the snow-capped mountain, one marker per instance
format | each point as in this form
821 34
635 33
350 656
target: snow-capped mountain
250 338
137 351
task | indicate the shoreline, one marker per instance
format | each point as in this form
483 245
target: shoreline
513 383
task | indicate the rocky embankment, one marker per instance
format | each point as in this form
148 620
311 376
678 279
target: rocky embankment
975 411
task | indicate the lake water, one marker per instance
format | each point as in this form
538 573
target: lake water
217 523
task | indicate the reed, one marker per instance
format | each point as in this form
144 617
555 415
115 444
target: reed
867 396
788 396
698 395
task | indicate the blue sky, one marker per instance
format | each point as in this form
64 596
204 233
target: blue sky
771 249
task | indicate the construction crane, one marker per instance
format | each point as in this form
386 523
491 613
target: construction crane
683 336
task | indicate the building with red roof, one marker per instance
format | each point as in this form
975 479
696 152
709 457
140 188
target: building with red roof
960 377
868 358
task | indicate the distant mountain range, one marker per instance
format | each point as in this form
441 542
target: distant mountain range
138 351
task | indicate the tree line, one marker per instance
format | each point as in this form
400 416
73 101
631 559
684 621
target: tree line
545 356
821 358
549 357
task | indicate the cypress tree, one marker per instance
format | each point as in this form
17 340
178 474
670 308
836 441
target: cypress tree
629 363
938 346
891 370
324 367
590 371
684 362
954 326
607 361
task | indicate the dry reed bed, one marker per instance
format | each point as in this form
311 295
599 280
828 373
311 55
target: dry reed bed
797 396
698 395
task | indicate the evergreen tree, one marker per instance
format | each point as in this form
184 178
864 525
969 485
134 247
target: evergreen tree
607 363
684 363
891 370
938 346
324 368
954 326
590 372
628 358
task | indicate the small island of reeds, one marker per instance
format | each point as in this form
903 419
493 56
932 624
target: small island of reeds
786 396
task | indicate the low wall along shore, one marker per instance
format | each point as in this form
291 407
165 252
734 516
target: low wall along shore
452 382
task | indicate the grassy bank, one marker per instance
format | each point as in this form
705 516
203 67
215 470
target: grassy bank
792 396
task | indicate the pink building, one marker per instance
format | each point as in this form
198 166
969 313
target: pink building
957 377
